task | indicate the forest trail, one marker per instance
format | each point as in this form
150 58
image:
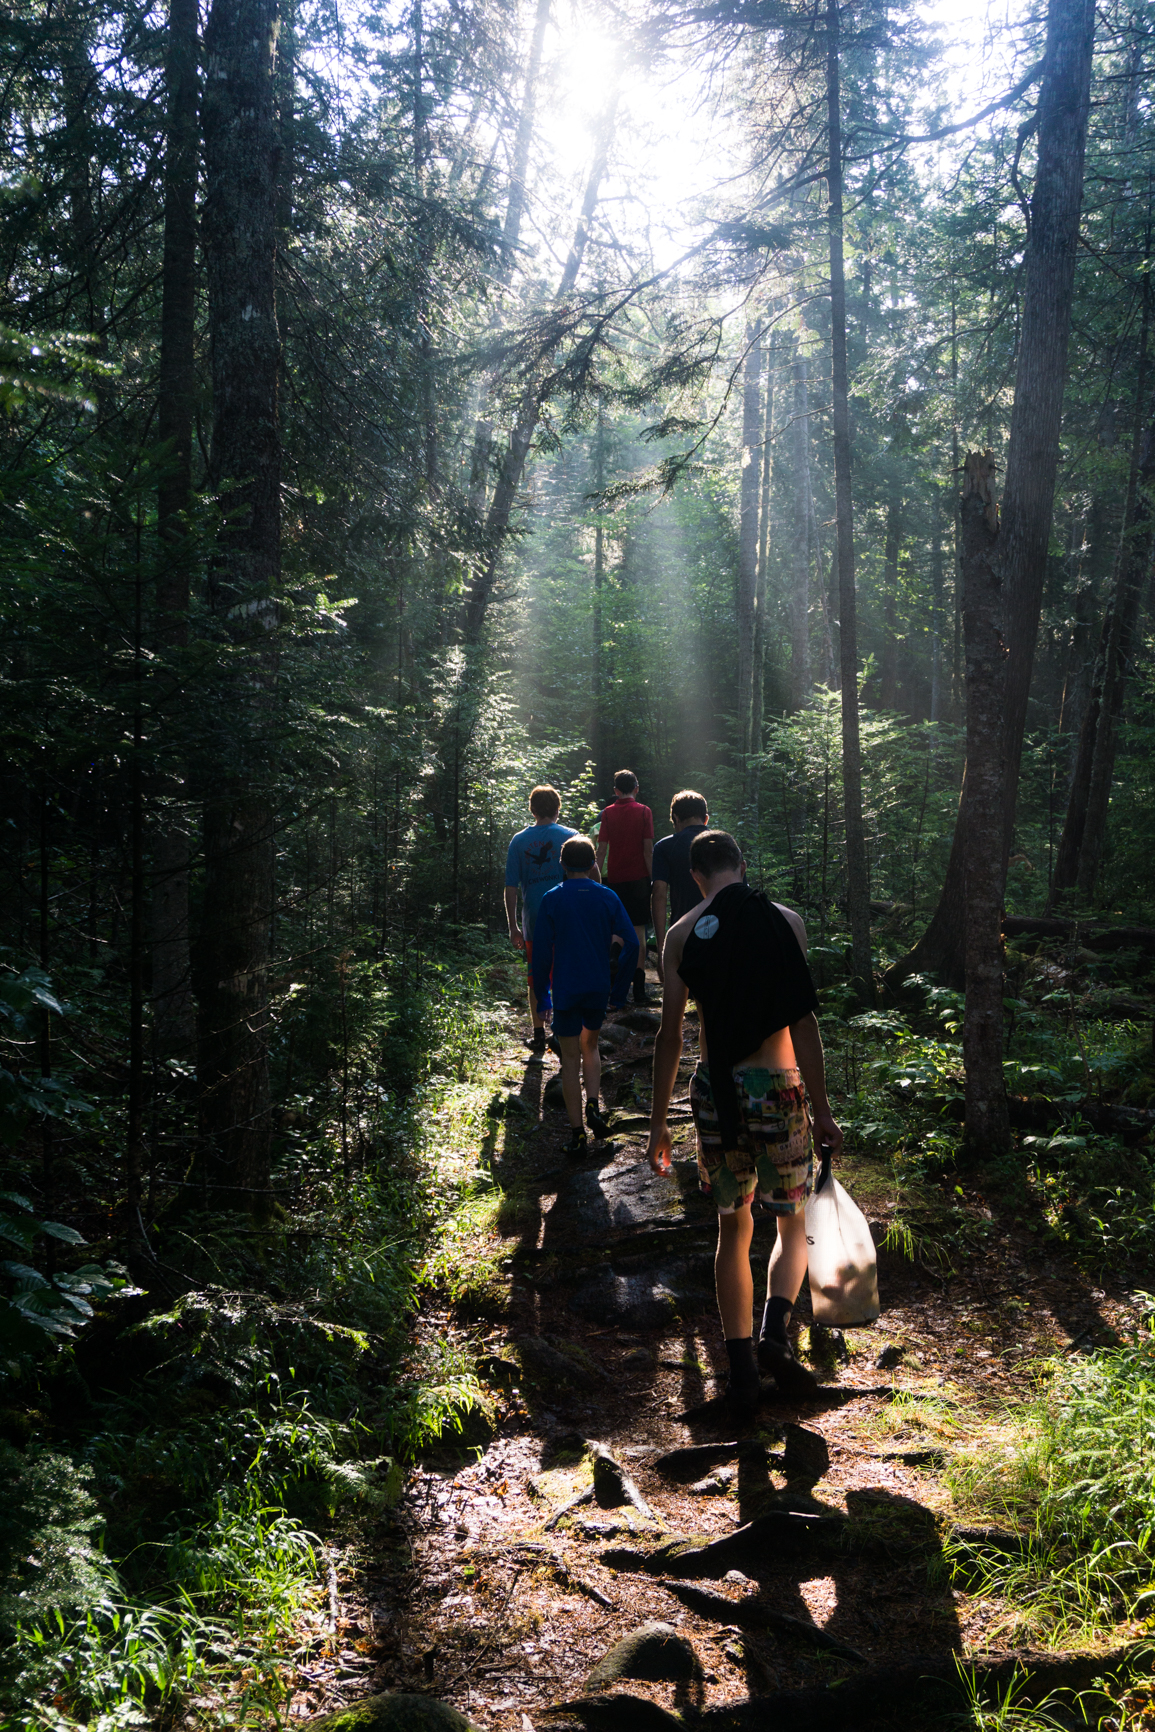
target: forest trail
610 1336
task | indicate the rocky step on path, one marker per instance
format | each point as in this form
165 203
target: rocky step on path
611 1556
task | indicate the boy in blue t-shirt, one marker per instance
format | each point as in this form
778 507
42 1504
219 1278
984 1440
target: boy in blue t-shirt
533 866
578 923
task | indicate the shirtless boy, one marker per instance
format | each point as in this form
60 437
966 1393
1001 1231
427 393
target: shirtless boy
744 960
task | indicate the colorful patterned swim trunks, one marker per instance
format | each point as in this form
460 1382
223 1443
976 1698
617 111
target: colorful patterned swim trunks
775 1153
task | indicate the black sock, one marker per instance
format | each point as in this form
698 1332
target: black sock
743 1360
639 978
775 1320
539 1037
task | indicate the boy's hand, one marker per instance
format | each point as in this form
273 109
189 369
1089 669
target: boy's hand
827 1132
517 939
659 1150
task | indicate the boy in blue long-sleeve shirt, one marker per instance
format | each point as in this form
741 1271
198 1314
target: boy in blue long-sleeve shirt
578 923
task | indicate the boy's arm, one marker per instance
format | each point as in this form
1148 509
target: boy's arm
515 931
648 852
628 959
667 1054
808 1051
659 898
542 951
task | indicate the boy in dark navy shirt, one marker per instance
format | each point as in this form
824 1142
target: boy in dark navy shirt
577 925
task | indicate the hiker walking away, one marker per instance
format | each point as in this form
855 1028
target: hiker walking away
577 925
744 960
626 831
675 892
533 866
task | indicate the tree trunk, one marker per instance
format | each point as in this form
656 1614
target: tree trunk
1033 450
748 531
1134 563
529 410
987 1125
511 234
888 670
1075 820
596 744
173 1021
241 163
936 584
801 679
758 684
857 872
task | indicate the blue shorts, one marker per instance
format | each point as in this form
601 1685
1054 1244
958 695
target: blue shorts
587 1012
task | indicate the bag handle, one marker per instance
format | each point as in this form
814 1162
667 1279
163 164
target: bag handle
824 1168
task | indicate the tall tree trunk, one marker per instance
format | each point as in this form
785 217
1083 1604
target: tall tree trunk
511 235
987 1125
1075 820
748 530
758 683
1033 449
241 163
888 669
936 591
801 679
173 1020
529 410
857 871
1134 563
596 743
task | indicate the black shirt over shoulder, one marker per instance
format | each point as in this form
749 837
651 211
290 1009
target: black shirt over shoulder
745 969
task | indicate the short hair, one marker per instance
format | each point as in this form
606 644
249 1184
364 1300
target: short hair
688 804
545 802
715 851
577 854
625 782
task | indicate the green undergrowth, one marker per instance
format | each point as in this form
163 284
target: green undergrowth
1073 1472
180 1477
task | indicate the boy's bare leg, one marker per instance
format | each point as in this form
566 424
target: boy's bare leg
787 1259
732 1274
591 1065
571 1084
535 1015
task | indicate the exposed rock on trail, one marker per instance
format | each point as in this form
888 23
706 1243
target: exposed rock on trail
655 1652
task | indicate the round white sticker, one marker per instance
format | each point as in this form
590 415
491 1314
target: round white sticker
707 926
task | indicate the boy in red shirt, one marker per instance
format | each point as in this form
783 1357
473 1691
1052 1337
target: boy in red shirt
627 832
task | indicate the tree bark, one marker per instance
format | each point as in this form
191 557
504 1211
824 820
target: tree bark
748 531
173 1018
888 669
241 173
987 1125
1134 564
529 410
758 684
801 679
1033 449
511 234
857 871
598 633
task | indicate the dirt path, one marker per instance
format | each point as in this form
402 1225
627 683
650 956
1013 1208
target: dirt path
610 1334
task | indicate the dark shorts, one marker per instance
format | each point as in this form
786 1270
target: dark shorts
587 1012
775 1152
635 893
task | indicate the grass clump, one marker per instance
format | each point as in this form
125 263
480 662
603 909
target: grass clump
1076 1478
